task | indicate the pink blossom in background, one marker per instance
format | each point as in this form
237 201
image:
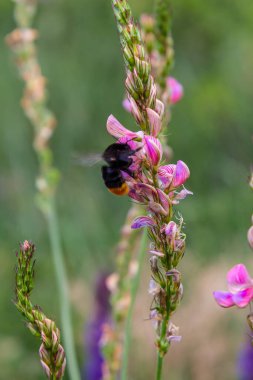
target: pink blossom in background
240 288
176 90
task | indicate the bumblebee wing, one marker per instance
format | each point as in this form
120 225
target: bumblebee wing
87 159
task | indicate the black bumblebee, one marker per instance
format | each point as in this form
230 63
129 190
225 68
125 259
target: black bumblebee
119 158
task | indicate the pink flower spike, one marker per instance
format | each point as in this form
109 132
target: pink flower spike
117 130
176 90
238 278
127 105
181 175
155 122
250 236
224 299
153 149
142 221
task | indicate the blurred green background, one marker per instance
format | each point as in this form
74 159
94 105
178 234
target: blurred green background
211 131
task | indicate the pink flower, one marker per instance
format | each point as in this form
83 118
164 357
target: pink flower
118 130
240 288
174 175
153 149
176 90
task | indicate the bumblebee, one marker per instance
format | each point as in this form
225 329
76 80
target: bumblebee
119 158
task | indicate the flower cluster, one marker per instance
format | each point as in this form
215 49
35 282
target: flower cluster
51 352
159 187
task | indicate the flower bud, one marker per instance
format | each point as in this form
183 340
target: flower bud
143 221
155 122
153 149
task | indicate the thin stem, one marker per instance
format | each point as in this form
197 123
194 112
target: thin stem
135 286
62 284
159 366
160 357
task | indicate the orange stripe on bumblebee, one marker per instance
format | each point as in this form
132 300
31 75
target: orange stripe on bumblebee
122 190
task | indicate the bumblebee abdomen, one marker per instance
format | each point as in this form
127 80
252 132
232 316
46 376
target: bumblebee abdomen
114 180
122 190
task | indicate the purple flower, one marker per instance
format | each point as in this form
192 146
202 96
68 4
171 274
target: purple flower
245 362
240 288
94 359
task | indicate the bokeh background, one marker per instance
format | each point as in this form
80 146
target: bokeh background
211 131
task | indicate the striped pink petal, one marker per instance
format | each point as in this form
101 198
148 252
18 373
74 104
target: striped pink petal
182 173
166 173
153 149
117 130
155 122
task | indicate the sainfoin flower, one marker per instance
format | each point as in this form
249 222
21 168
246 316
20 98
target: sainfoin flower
175 89
240 288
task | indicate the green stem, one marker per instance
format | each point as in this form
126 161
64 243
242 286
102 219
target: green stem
62 284
159 366
135 286
160 356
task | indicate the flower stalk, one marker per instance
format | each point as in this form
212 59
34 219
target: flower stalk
34 103
156 186
51 352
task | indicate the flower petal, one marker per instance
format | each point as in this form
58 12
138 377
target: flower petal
127 105
238 278
153 149
243 298
142 221
117 130
155 122
176 90
182 173
166 173
183 194
223 299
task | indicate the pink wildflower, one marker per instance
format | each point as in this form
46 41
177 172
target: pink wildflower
174 175
176 90
240 288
